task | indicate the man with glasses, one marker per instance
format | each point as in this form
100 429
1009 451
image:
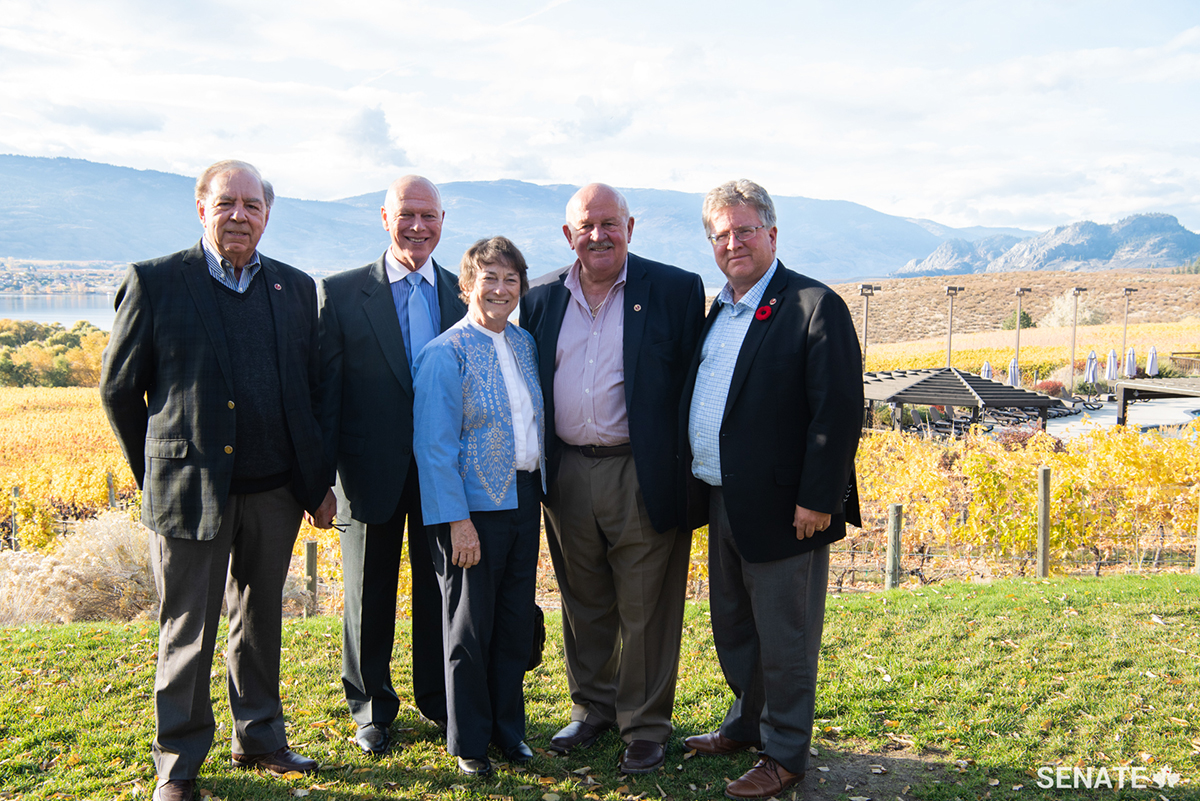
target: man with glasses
773 408
374 321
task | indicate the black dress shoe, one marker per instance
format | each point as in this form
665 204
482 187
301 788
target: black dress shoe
175 790
519 753
475 766
643 756
285 760
576 734
374 739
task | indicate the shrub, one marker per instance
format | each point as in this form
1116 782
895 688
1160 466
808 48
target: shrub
1052 388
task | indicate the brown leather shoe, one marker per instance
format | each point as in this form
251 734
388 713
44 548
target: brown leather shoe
285 760
715 744
576 734
175 790
766 779
643 756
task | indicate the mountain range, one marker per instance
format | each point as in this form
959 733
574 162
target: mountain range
1143 240
76 210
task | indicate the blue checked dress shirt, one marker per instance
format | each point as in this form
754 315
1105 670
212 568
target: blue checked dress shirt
718 356
222 270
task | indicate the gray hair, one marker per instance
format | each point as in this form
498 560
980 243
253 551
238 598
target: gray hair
738 193
204 182
595 188
497 250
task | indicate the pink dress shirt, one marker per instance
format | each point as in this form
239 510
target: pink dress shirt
589 368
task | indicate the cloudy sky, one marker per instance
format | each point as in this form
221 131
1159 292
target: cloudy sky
1026 113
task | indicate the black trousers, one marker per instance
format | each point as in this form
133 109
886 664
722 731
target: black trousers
488 618
370 568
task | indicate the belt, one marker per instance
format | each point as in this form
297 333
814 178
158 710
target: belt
603 451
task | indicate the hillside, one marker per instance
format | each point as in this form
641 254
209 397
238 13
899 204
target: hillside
62 209
916 308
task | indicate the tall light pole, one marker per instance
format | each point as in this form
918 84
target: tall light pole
1021 290
1076 292
1125 329
866 290
952 293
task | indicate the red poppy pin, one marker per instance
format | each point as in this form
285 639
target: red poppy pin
763 313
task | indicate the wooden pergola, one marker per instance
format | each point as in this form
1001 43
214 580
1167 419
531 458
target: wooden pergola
949 386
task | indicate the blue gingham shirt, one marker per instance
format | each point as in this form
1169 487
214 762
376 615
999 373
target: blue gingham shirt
718 356
222 270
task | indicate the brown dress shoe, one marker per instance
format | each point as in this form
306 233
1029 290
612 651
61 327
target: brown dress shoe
576 734
766 779
280 762
715 744
643 756
175 790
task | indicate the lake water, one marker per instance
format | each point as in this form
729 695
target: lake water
65 309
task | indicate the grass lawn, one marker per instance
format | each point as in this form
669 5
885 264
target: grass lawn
953 691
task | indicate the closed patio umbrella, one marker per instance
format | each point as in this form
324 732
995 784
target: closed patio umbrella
1110 370
1091 370
1014 373
1152 362
986 370
1130 364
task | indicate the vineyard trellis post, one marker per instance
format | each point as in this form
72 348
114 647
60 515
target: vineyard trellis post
1197 567
13 542
891 578
112 491
1043 543
310 575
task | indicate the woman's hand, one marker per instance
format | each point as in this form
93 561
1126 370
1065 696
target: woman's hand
465 541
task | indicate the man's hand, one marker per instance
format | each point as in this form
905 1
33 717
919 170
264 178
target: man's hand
808 522
323 517
465 540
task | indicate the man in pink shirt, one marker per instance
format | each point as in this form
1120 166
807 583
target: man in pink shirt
615 333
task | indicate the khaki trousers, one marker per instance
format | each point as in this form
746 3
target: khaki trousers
623 586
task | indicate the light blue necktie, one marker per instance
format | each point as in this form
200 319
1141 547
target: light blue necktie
420 323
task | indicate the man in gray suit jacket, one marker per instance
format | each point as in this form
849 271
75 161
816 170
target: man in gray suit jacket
374 321
208 381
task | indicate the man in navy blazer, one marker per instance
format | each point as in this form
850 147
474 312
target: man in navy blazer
374 321
209 381
771 417
614 334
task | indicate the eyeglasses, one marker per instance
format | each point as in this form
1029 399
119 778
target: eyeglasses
742 234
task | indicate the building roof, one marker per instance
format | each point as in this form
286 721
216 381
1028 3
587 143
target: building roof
948 386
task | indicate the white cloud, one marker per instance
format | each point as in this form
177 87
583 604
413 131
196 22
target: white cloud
973 113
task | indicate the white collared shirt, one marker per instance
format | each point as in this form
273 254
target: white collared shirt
398 272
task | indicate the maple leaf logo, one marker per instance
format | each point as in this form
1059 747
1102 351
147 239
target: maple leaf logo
1165 777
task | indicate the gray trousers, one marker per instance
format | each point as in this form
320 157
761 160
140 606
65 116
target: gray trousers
622 586
246 564
370 572
767 619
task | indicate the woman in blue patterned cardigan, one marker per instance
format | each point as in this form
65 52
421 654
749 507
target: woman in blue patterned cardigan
479 431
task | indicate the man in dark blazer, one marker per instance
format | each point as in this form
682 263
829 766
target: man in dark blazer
208 381
771 415
374 321
614 334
